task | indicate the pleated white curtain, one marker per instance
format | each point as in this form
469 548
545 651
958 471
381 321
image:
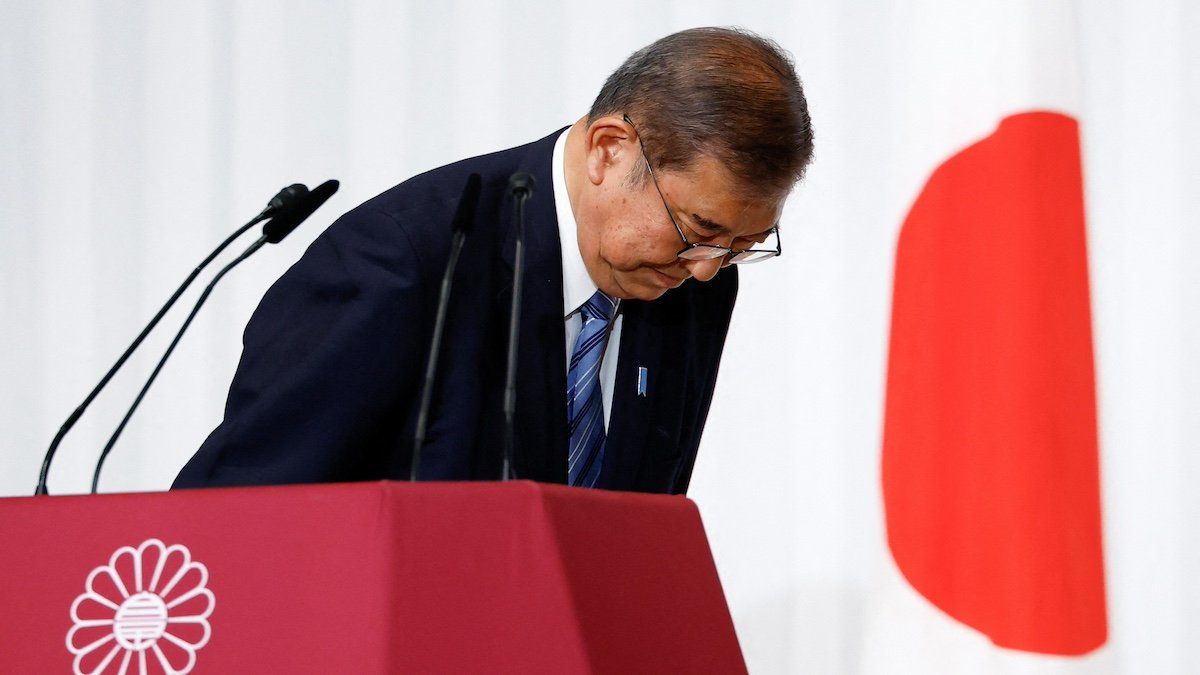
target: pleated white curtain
135 135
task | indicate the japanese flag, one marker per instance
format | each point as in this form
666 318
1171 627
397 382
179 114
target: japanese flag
989 463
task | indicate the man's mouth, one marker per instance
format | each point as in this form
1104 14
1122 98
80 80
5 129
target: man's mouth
668 280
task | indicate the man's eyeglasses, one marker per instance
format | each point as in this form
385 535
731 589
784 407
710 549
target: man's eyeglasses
697 251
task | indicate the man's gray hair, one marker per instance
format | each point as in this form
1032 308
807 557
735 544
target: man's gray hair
722 92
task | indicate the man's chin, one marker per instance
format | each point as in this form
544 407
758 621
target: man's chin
646 291
627 287
653 292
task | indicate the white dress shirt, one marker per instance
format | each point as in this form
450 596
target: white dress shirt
578 286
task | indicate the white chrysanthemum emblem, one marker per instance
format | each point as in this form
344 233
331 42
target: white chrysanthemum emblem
146 611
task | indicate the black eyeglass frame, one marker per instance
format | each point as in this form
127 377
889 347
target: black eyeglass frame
718 251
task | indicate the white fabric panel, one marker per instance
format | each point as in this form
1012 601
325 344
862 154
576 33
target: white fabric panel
136 135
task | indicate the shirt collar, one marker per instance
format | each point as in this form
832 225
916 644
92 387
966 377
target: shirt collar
577 283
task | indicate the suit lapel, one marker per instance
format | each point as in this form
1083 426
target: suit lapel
643 428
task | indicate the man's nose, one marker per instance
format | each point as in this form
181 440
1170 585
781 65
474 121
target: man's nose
703 270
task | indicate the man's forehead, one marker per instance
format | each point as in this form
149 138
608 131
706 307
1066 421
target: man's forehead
712 199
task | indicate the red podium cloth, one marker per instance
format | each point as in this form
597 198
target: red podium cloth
361 578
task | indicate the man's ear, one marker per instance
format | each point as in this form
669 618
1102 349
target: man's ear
609 141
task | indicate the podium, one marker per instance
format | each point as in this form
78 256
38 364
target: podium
361 578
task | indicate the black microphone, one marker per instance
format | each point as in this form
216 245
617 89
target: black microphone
285 199
283 202
282 225
520 186
464 219
273 232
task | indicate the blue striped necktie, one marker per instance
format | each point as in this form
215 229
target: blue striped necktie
585 411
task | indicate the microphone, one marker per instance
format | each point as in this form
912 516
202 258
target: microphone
520 186
302 206
285 199
464 219
283 224
283 202
521 183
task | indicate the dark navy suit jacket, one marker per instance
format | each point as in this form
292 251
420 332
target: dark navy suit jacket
328 382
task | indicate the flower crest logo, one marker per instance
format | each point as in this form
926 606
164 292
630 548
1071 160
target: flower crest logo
145 611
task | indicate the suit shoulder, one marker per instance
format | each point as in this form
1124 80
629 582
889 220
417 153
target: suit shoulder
429 199
416 214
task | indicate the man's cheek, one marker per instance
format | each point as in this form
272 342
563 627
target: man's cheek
648 248
624 252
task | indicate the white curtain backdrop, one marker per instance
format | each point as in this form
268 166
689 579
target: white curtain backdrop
136 135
